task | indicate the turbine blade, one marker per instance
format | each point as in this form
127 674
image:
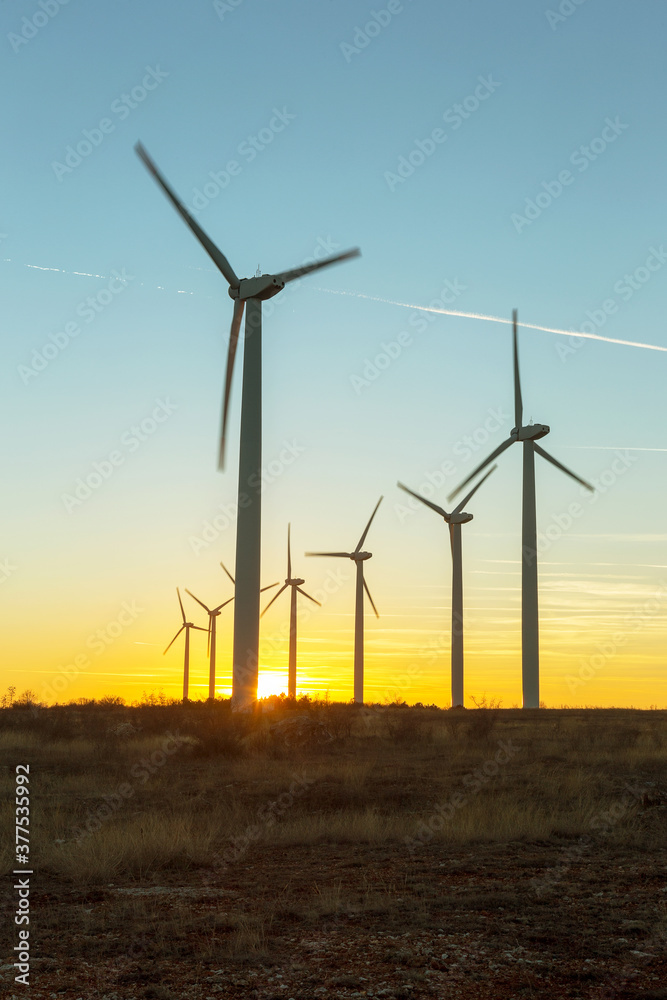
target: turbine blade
216 255
239 306
482 465
268 586
518 403
363 537
433 506
223 605
199 628
227 572
308 596
274 598
289 553
208 644
346 555
563 468
451 538
298 272
197 600
459 508
181 604
371 599
174 639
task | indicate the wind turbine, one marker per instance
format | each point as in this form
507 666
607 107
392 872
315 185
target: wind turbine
455 520
359 558
295 584
252 291
187 626
261 589
528 435
212 616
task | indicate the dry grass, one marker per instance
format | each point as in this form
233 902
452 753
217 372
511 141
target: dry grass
250 834
378 775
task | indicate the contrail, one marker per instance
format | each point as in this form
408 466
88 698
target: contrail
90 274
609 447
497 319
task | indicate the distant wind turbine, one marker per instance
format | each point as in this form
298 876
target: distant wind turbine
187 626
248 535
295 584
455 520
212 617
528 435
359 558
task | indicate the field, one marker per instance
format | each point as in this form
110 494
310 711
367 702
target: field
318 850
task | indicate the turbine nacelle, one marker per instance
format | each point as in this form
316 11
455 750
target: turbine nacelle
530 433
360 556
461 518
296 582
263 287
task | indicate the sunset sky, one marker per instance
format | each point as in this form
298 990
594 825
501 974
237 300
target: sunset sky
483 157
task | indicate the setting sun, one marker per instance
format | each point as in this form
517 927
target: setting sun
271 682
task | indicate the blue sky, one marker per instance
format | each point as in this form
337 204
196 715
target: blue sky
334 99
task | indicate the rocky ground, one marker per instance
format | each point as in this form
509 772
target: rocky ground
575 919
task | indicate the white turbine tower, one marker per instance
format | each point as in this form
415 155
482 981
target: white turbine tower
455 520
528 435
252 291
212 618
359 558
187 626
295 584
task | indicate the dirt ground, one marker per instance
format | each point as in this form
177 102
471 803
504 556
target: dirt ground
442 923
328 903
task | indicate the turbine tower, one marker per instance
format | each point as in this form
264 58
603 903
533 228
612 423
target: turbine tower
359 558
212 616
295 584
455 520
252 291
528 436
187 626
